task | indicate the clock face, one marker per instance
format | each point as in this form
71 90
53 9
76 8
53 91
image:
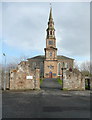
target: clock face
50 42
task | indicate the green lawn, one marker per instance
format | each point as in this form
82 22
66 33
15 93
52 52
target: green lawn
59 81
41 80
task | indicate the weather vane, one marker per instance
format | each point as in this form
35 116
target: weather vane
50 5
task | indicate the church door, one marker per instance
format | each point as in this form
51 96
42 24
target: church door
50 74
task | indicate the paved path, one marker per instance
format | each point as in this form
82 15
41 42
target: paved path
50 84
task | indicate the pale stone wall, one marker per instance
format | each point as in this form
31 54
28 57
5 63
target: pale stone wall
47 64
18 81
73 80
19 77
4 79
37 80
53 56
67 65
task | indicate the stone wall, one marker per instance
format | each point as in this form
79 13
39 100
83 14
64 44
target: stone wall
4 79
24 78
73 80
47 69
37 62
37 79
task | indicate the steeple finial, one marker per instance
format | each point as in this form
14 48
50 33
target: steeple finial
50 17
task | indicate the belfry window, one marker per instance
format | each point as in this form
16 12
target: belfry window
50 32
33 65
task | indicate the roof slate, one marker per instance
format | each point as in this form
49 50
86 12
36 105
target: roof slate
43 57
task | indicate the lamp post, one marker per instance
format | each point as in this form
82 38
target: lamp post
4 72
63 68
62 77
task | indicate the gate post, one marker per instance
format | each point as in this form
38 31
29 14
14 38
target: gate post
37 78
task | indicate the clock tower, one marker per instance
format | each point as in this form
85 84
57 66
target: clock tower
50 63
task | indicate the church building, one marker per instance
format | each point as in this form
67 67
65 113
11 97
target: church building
28 73
51 64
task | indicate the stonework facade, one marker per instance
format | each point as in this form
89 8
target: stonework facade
73 80
50 67
24 78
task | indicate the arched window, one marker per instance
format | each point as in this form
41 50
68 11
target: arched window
50 32
59 68
63 65
66 65
50 54
34 65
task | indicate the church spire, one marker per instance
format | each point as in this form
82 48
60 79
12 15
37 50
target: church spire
50 16
50 29
50 50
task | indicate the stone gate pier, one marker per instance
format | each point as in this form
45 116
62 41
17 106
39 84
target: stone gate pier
23 77
73 80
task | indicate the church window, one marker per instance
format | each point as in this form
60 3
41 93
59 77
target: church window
50 32
63 65
34 65
50 42
54 74
59 68
66 65
50 54
51 67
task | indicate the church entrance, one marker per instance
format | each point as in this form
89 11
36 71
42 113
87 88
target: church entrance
50 74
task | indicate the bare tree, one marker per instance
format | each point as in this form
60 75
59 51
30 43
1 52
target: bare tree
12 65
76 66
16 61
85 68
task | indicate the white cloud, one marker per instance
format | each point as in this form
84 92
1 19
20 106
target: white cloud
73 27
23 25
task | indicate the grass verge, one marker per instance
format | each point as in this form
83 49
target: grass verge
41 80
59 81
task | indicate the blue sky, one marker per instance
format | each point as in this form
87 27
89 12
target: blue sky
24 29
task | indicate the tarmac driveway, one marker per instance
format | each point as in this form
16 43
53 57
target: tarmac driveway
49 103
49 84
